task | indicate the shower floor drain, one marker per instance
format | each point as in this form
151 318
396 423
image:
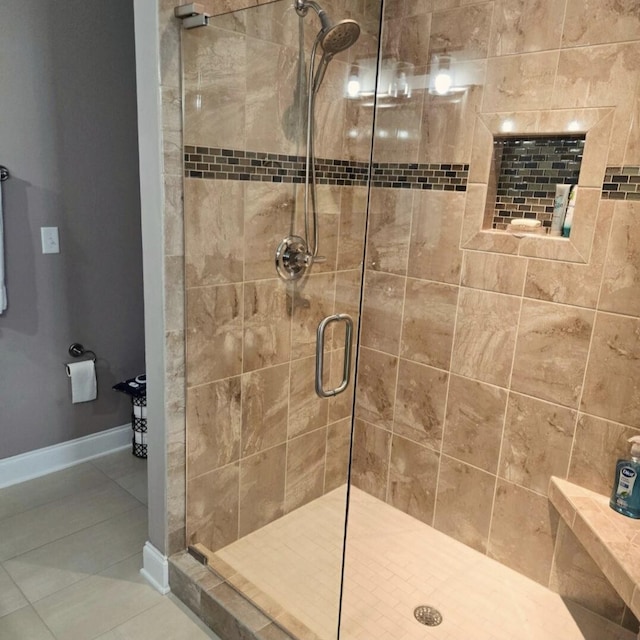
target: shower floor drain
428 615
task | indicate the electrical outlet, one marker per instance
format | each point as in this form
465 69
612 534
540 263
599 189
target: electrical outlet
50 240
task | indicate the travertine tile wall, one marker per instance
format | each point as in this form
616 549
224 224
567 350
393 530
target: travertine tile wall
483 374
259 442
171 93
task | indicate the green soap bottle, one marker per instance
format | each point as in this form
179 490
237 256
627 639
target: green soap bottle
625 498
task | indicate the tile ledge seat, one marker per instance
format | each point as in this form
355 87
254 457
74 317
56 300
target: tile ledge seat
611 539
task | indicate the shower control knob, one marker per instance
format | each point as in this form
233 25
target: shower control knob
305 259
292 258
310 259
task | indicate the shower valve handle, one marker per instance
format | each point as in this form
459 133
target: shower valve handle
293 258
308 259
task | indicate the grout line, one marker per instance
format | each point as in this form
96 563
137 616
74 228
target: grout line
42 619
602 274
99 521
492 35
474 466
240 375
559 50
515 345
634 119
556 544
481 105
397 358
446 401
504 424
563 25
591 338
463 258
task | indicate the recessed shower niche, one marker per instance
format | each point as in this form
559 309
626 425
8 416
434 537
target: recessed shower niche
517 159
527 170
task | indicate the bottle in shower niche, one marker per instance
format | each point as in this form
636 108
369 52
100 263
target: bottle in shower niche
568 218
625 498
560 203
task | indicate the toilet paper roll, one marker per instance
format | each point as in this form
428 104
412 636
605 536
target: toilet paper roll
84 386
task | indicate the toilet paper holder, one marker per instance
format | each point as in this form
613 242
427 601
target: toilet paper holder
76 350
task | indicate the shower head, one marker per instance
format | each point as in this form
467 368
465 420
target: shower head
333 37
340 36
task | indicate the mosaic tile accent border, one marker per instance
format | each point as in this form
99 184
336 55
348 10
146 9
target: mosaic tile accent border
621 183
256 166
212 163
437 176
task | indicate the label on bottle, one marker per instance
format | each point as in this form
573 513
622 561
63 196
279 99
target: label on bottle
559 203
626 481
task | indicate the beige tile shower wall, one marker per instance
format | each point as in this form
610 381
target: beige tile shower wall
173 215
259 442
483 374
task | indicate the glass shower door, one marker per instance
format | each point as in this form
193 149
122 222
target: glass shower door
267 458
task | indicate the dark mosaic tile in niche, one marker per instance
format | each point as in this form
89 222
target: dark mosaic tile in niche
621 183
212 163
527 171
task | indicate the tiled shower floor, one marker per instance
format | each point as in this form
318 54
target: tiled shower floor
393 564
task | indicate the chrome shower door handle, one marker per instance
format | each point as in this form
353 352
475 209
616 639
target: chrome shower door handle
346 370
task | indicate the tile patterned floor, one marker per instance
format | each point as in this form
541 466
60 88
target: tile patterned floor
70 556
395 563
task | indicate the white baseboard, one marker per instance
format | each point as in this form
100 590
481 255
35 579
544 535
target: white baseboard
155 568
40 462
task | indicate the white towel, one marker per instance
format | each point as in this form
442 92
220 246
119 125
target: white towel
84 386
3 288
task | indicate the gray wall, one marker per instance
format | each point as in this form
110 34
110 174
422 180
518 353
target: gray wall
68 135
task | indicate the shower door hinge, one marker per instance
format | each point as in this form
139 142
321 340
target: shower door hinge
192 15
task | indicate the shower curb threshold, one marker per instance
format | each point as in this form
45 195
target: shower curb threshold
610 538
225 609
